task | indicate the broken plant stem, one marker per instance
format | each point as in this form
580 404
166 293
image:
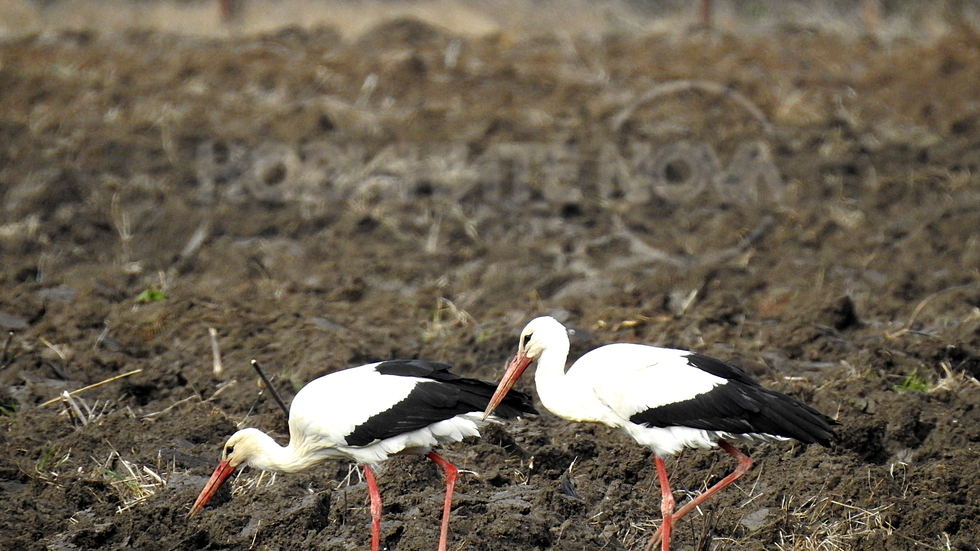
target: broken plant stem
90 387
215 352
76 411
918 309
272 389
6 346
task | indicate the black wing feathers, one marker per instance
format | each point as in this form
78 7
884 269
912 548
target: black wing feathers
442 396
742 406
720 368
426 369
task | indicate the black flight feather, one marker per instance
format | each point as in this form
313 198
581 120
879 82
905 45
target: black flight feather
443 395
741 406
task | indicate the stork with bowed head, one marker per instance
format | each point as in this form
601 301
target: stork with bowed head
366 414
664 399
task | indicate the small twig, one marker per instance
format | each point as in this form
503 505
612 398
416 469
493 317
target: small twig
102 336
154 476
56 349
89 387
643 253
255 535
66 396
918 309
215 352
170 408
221 388
6 346
196 240
58 370
741 246
272 389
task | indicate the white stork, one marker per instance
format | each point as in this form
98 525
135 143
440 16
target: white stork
365 414
665 399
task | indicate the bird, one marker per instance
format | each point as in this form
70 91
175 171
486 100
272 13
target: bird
665 399
366 414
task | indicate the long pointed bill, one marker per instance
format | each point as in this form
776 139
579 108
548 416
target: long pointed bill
514 371
221 473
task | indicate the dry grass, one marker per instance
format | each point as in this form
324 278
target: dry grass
66 396
51 458
80 412
816 523
953 381
132 482
823 524
252 481
445 316
813 523
246 481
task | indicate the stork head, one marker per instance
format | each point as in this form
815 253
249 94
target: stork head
243 446
537 336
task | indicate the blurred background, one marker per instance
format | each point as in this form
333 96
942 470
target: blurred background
885 18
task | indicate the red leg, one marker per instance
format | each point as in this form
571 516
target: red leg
666 501
452 474
744 464
375 508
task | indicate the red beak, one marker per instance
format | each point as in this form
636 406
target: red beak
514 371
221 473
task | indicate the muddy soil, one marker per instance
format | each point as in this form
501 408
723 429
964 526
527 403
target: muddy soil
800 203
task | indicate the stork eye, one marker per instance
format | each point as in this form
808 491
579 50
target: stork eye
229 450
525 339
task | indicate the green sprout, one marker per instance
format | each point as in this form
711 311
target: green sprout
151 294
51 458
128 482
135 484
913 382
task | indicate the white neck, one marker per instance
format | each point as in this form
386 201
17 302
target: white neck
297 456
555 388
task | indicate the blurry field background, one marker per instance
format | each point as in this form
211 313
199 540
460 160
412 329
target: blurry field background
884 18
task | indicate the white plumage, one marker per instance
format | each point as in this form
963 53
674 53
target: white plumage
663 398
367 414
328 409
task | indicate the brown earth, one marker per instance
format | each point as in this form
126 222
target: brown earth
800 203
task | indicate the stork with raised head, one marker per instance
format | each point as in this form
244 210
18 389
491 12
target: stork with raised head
664 399
366 414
